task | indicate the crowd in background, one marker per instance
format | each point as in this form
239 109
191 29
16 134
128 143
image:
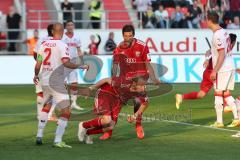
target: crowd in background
186 13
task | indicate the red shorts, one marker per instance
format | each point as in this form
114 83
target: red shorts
106 103
206 84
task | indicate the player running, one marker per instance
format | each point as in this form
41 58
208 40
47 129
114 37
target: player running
113 93
74 44
206 84
223 70
52 56
131 56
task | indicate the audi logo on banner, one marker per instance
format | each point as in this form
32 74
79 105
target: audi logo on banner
130 60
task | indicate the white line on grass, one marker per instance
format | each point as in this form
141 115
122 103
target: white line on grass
147 118
182 123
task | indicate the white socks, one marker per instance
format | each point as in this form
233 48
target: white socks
219 112
62 123
39 106
43 118
231 102
237 101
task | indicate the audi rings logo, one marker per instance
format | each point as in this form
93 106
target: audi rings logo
130 60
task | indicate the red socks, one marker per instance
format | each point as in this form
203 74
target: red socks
192 95
139 120
96 123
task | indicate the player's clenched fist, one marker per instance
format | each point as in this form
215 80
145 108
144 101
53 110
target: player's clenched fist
36 80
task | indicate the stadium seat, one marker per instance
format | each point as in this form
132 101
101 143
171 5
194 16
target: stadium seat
119 5
184 10
4 7
36 5
170 10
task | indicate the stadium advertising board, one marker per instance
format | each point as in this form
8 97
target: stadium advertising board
181 68
172 41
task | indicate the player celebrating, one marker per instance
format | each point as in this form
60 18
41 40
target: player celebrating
113 93
223 70
74 44
206 83
51 56
131 56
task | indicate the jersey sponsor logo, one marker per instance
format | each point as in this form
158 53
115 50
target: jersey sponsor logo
72 44
130 60
137 53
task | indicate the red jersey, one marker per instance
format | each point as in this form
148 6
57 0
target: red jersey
131 59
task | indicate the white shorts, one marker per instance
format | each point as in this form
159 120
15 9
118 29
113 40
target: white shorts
61 98
38 87
224 81
72 77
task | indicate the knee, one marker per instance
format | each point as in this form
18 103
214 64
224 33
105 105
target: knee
106 120
201 94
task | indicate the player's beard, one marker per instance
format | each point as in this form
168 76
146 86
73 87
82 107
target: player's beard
126 44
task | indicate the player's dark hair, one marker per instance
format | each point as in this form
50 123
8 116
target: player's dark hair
49 30
69 21
233 37
213 16
128 28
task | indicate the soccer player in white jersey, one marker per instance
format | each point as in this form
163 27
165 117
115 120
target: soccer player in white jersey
74 46
223 70
38 86
53 56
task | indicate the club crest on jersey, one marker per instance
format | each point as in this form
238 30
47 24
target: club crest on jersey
137 53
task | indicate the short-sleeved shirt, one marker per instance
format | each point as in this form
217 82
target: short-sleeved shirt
131 59
73 43
221 41
51 54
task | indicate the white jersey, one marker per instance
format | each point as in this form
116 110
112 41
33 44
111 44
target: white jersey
221 41
36 48
72 42
52 52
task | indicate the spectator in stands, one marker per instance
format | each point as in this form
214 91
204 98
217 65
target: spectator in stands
142 6
149 19
32 42
93 46
235 24
95 13
177 18
195 15
110 45
67 9
162 17
13 22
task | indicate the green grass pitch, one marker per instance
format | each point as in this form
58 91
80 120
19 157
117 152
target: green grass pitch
163 139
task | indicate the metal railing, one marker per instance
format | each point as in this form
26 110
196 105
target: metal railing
105 20
21 49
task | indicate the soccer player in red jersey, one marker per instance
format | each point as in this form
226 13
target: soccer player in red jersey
131 57
206 84
111 95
